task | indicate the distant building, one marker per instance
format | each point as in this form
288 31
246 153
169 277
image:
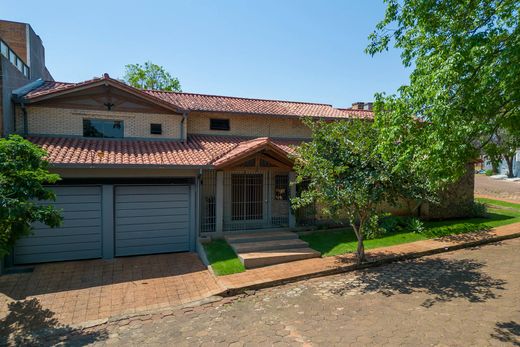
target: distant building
22 60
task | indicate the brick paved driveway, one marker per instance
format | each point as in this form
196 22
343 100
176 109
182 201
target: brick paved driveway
463 298
80 291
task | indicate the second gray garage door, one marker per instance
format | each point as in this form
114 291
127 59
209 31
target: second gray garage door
152 219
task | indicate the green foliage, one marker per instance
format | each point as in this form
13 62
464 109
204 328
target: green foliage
150 76
465 61
479 209
415 225
489 172
348 178
23 172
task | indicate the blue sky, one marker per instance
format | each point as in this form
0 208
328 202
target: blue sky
286 49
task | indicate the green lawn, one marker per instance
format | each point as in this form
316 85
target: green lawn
222 258
340 241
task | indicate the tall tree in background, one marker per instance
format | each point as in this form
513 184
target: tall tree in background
465 56
151 76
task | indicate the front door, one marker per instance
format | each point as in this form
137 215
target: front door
247 197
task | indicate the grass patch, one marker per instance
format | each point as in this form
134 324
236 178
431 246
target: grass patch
340 241
222 258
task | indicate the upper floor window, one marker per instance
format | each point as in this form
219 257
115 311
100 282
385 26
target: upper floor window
219 124
104 128
155 129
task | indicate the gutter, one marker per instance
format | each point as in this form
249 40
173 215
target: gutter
183 122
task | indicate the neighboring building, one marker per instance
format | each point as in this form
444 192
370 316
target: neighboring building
148 171
22 60
502 168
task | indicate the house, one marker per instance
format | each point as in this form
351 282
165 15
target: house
503 169
148 171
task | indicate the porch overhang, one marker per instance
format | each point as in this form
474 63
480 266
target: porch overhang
262 147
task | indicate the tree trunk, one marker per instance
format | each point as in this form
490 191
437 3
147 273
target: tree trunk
509 161
361 258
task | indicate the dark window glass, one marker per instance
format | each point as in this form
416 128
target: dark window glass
156 129
103 128
219 124
281 187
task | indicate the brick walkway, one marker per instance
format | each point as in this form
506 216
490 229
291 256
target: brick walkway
82 291
266 276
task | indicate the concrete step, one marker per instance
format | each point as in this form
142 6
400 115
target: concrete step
271 245
265 258
260 236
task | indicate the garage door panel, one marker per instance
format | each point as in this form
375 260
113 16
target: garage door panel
150 212
79 236
62 256
152 219
151 234
161 248
147 226
150 205
62 239
170 190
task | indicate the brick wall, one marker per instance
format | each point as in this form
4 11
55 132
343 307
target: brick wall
249 125
62 121
15 35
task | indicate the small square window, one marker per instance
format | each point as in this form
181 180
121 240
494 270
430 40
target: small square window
219 124
156 129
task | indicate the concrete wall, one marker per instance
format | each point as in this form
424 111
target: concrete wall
10 79
249 125
63 121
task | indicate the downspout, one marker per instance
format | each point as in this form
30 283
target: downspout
183 121
25 122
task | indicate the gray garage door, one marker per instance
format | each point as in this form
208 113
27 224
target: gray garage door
79 237
151 219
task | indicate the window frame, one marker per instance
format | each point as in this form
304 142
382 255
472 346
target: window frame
213 126
102 120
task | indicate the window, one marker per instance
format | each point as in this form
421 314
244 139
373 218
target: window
4 49
156 129
219 124
12 57
103 128
247 196
281 187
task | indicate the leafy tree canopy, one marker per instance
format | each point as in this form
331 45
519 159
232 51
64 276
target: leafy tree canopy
465 56
348 178
151 76
23 173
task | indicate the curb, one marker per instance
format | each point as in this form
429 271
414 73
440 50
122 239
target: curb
348 268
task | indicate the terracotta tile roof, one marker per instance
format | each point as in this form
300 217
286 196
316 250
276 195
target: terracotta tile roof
246 148
214 103
199 150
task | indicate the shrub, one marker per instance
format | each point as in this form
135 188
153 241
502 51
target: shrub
479 209
415 225
489 172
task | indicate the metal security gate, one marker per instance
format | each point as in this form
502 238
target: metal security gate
79 236
152 219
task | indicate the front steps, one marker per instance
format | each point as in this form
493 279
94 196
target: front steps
269 248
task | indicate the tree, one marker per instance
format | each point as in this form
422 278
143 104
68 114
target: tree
504 144
465 61
347 177
23 173
150 76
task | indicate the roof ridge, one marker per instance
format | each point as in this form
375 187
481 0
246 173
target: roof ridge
237 97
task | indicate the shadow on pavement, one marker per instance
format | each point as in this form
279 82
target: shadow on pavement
28 324
508 332
442 279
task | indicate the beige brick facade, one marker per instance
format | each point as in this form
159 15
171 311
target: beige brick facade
249 125
63 121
